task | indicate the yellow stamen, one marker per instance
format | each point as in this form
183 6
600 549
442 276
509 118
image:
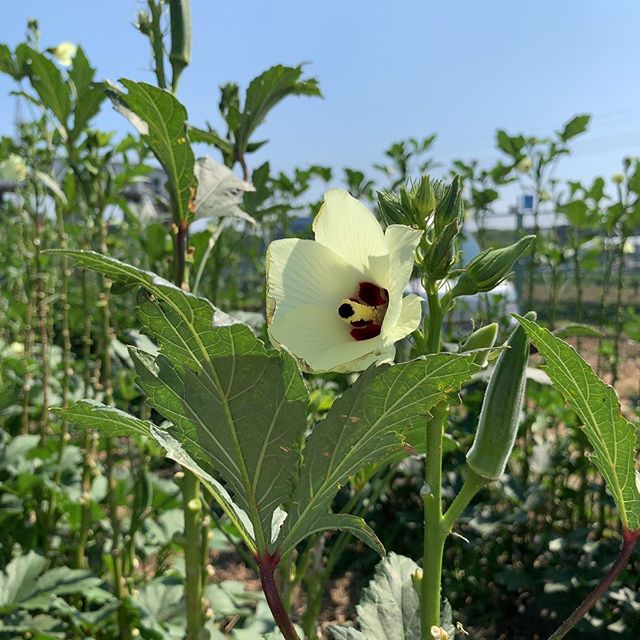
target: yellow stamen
351 311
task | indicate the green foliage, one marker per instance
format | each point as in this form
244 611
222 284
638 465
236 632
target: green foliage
161 120
263 94
389 607
612 437
366 424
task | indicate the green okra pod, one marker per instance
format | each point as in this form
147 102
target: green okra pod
481 340
500 414
180 20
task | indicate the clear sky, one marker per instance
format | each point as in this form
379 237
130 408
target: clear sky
387 70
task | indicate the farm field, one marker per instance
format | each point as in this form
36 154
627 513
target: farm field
248 401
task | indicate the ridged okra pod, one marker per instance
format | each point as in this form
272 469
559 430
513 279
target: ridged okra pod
500 414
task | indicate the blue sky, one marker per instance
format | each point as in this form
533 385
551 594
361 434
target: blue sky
388 70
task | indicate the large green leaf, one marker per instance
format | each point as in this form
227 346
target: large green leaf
161 120
88 95
23 585
612 437
114 422
237 410
390 607
365 425
47 80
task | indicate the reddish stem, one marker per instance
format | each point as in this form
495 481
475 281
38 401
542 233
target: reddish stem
629 539
267 566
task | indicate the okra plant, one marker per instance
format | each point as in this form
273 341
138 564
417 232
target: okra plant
232 410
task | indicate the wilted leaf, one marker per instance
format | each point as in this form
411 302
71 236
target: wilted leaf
220 191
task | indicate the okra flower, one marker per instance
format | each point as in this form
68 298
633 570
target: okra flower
65 52
337 303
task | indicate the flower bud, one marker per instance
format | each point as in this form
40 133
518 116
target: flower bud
425 198
391 209
440 255
450 207
487 270
524 165
617 178
483 338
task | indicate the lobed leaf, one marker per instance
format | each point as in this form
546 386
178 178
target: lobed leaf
390 607
236 410
368 423
611 435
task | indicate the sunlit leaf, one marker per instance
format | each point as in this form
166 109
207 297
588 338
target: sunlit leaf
161 120
238 411
220 191
575 127
612 437
365 425
390 607
48 83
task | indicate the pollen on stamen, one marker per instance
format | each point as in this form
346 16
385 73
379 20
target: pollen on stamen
365 311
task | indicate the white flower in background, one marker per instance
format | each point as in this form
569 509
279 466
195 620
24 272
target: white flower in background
65 53
337 303
13 169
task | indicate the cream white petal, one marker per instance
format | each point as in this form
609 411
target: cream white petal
409 320
304 272
349 229
402 242
316 336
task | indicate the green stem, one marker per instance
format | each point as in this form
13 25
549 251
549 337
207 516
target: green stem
433 538
433 543
192 510
473 483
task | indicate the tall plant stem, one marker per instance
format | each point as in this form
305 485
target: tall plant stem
107 388
617 333
42 312
267 565
66 357
433 542
193 555
629 539
90 437
191 502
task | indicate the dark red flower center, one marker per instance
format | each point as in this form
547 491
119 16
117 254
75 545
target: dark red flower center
365 311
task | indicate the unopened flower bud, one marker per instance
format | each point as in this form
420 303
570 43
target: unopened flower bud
525 165
450 207
487 270
441 254
425 199
617 178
